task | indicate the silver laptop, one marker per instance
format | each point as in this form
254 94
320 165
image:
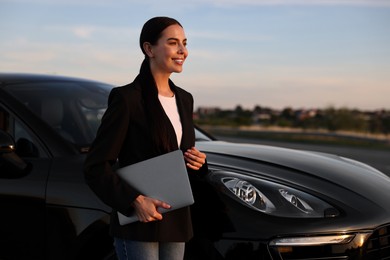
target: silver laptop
163 177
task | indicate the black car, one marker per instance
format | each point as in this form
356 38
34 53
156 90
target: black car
257 202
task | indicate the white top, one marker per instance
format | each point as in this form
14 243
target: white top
170 108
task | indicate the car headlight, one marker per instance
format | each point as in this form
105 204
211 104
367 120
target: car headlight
248 194
273 198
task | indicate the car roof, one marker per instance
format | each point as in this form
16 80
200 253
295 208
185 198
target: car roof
14 78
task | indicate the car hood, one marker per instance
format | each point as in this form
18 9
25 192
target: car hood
327 169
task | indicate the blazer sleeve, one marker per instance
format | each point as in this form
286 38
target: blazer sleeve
104 151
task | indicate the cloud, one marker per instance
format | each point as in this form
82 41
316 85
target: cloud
83 32
90 31
256 63
227 36
89 60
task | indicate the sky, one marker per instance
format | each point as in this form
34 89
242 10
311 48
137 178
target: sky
271 53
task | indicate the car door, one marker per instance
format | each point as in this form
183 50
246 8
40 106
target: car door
22 193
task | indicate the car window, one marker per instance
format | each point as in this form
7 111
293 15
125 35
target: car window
201 135
72 108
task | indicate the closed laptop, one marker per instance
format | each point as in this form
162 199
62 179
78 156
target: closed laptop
163 177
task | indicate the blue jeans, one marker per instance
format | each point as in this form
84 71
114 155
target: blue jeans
137 250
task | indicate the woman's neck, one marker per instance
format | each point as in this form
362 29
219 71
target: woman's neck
162 83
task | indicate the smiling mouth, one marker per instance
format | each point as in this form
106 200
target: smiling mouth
179 61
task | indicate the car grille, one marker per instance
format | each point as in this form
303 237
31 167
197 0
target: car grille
378 246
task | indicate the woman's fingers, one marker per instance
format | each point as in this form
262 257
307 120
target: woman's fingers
146 208
161 204
195 159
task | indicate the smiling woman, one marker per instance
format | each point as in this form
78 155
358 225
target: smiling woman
149 117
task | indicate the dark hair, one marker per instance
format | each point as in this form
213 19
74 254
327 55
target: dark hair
159 130
152 29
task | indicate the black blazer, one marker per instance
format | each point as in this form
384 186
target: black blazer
124 137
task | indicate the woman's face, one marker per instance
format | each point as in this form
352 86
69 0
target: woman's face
170 52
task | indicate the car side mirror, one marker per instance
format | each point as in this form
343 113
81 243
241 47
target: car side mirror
11 165
7 144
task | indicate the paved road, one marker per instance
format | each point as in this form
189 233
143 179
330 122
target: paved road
379 159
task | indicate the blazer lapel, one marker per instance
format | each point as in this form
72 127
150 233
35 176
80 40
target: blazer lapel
186 122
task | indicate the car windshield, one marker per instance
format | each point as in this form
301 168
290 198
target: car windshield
72 108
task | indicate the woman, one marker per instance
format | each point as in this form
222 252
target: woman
146 118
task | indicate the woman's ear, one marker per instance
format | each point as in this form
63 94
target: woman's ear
148 49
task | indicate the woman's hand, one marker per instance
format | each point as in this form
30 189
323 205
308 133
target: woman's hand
194 158
146 208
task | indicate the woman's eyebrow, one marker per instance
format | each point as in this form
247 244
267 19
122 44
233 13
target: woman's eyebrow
176 39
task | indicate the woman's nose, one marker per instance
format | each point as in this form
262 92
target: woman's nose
182 49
